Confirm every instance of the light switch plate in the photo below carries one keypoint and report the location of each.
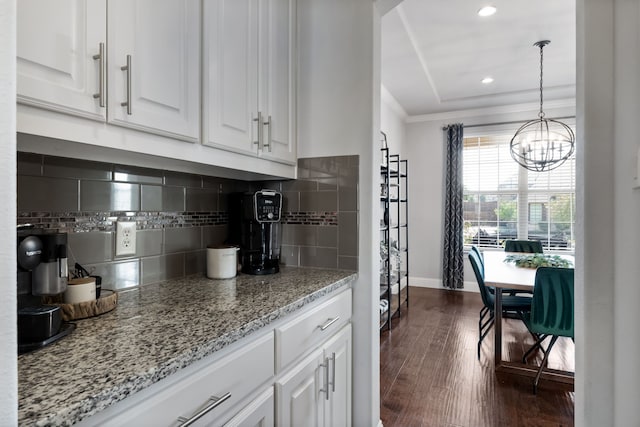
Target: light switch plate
(125, 238)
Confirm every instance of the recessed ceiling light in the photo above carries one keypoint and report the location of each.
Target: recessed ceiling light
(487, 11)
(487, 80)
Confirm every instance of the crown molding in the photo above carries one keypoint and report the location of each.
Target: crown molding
(393, 103)
(514, 108)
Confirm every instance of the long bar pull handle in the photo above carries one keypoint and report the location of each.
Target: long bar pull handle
(101, 89)
(329, 323)
(333, 372)
(325, 365)
(259, 120)
(214, 403)
(127, 68)
(268, 123)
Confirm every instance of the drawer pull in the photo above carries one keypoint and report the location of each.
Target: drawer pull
(329, 323)
(213, 403)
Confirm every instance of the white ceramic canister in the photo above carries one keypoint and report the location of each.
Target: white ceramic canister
(222, 262)
(80, 290)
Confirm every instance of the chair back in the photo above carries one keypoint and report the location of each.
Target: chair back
(552, 304)
(529, 246)
(478, 270)
(475, 249)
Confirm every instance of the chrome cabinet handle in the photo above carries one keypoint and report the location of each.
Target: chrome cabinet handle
(101, 64)
(268, 123)
(333, 372)
(215, 402)
(329, 323)
(259, 120)
(325, 365)
(127, 68)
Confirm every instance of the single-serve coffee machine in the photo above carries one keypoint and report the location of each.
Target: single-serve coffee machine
(42, 271)
(254, 221)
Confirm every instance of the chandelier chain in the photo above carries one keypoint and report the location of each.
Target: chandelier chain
(541, 114)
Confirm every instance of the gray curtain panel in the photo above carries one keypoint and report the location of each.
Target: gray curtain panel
(453, 255)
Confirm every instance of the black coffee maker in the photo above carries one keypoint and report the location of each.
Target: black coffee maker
(254, 226)
(42, 271)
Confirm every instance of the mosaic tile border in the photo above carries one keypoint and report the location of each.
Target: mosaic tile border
(105, 221)
(310, 218)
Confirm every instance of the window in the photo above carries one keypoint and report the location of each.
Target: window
(503, 200)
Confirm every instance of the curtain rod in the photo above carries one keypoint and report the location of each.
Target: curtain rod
(507, 123)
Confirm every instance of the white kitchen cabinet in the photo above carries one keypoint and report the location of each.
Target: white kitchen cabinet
(317, 390)
(258, 413)
(337, 409)
(154, 66)
(58, 62)
(65, 60)
(249, 77)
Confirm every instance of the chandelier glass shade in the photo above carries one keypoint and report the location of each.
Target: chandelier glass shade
(542, 144)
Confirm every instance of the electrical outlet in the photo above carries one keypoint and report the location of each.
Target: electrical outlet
(125, 238)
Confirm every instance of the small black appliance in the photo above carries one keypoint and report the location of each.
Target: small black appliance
(254, 226)
(41, 271)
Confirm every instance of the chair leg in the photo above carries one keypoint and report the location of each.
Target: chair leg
(538, 344)
(544, 361)
(484, 327)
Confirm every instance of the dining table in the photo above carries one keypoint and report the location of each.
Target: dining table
(504, 275)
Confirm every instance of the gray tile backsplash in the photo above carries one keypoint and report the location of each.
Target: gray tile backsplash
(324, 195)
(178, 215)
(90, 248)
(72, 168)
(151, 198)
(47, 194)
(109, 196)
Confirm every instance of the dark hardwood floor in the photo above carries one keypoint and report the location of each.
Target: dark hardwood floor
(430, 374)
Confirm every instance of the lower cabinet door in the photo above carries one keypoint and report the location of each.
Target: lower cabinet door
(337, 352)
(300, 394)
(259, 413)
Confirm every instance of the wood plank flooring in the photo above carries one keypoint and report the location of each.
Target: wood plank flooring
(430, 374)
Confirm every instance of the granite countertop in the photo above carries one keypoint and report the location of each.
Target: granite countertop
(155, 331)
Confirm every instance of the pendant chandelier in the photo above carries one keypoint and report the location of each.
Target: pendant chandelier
(542, 144)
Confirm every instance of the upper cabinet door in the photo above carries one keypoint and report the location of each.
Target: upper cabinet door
(57, 42)
(277, 78)
(230, 73)
(154, 63)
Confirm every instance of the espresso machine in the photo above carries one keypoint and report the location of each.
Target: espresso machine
(42, 271)
(254, 226)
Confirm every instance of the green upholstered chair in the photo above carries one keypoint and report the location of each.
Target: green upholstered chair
(513, 304)
(551, 310)
(529, 246)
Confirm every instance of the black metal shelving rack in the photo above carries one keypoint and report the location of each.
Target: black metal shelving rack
(394, 280)
(385, 242)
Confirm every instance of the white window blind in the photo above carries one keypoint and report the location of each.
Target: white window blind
(502, 200)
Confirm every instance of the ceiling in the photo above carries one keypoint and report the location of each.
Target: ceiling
(436, 52)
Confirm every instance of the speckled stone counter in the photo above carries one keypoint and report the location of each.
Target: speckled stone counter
(155, 331)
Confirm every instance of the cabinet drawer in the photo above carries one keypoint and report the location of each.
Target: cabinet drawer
(238, 373)
(311, 328)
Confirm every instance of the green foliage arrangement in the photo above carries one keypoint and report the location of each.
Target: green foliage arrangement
(538, 260)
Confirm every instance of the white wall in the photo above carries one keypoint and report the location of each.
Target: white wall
(425, 147)
(627, 213)
(338, 114)
(392, 118)
(8, 333)
(607, 371)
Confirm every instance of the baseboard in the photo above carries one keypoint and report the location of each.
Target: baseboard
(424, 282)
